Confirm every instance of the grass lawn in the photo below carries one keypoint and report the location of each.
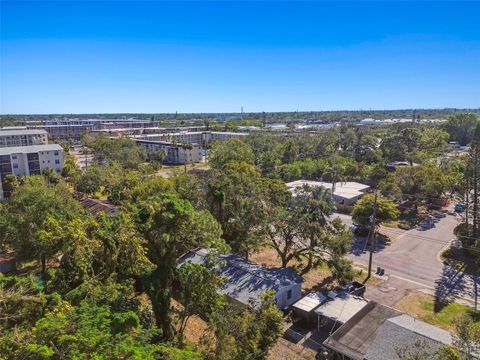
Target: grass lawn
(316, 279)
(421, 306)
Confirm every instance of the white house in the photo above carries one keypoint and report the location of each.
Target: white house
(345, 193)
(246, 281)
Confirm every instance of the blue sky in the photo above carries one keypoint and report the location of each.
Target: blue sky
(119, 56)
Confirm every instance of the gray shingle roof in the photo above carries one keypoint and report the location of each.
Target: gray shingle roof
(376, 333)
(403, 332)
(245, 280)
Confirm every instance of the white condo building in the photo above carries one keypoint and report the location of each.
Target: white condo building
(22, 137)
(174, 153)
(29, 160)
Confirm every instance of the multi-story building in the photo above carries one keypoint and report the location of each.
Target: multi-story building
(29, 160)
(191, 137)
(72, 129)
(174, 153)
(22, 137)
(222, 135)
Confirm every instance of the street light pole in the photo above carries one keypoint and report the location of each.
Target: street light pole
(371, 234)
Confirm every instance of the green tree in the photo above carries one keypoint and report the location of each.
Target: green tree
(88, 331)
(172, 226)
(461, 127)
(30, 213)
(157, 157)
(51, 176)
(247, 334)
(198, 285)
(234, 150)
(386, 210)
(91, 181)
(124, 251)
(122, 150)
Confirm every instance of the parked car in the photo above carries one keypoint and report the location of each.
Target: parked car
(359, 230)
(425, 225)
(459, 207)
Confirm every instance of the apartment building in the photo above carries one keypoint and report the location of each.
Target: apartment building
(222, 135)
(72, 129)
(174, 153)
(192, 137)
(22, 137)
(29, 160)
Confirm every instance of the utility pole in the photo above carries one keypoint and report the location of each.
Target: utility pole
(371, 234)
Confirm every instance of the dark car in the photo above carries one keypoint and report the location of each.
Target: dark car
(359, 230)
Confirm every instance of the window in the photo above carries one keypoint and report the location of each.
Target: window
(289, 294)
(56, 153)
(15, 166)
(14, 157)
(57, 161)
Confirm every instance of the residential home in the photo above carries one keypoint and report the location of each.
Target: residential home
(246, 282)
(378, 332)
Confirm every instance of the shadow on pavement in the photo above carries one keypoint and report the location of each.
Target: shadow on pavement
(361, 246)
(451, 283)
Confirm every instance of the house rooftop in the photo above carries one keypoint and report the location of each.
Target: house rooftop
(404, 331)
(96, 206)
(355, 336)
(29, 149)
(342, 308)
(376, 331)
(346, 190)
(245, 280)
(310, 302)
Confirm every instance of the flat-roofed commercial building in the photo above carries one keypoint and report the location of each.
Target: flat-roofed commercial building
(174, 153)
(29, 160)
(22, 137)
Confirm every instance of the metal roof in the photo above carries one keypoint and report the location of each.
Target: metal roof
(342, 308)
(8, 132)
(245, 280)
(310, 302)
(29, 149)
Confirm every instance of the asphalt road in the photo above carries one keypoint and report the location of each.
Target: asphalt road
(413, 256)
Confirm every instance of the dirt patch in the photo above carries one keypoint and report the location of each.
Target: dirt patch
(316, 279)
(266, 257)
(286, 350)
(197, 334)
